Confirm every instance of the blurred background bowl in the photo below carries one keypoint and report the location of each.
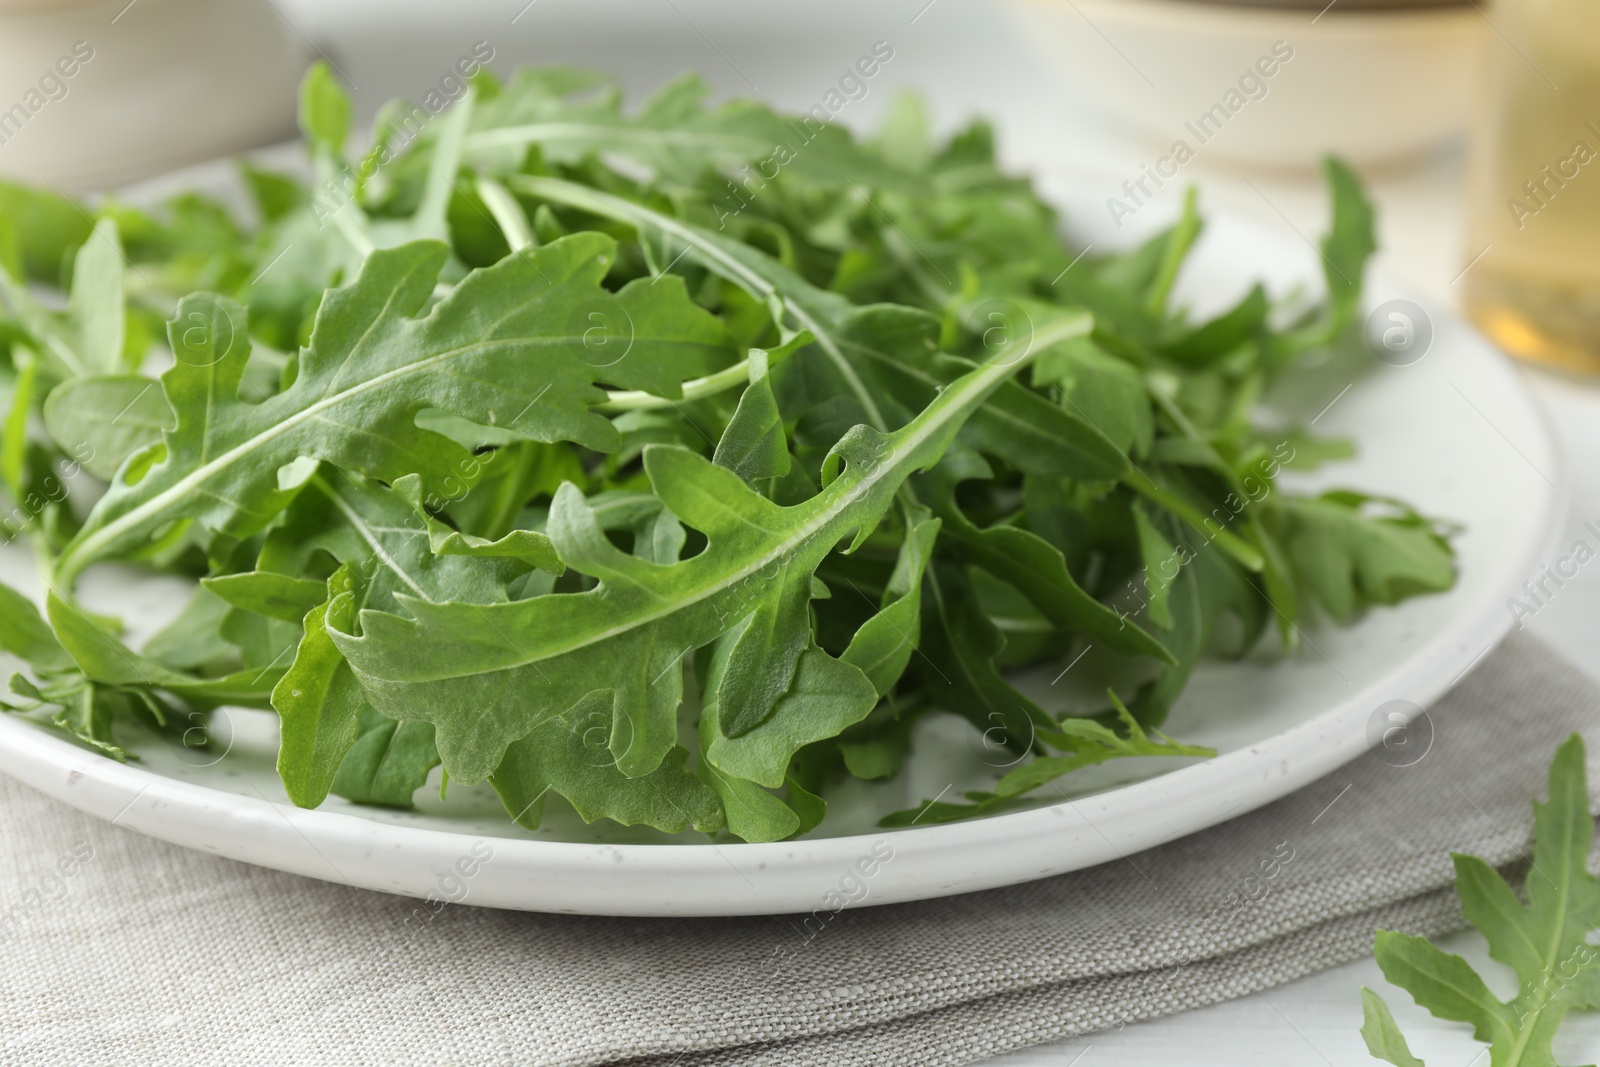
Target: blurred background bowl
(166, 82)
(1376, 84)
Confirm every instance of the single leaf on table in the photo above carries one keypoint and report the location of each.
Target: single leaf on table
(1547, 941)
(506, 348)
(487, 675)
(1382, 1034)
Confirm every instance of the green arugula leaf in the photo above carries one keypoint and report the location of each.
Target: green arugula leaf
(1382, 1034)
(1346, 559)
(1546, 940)
(45, 226)
(388, 762)
(107, 418)
(674, 135)
(324, 108)
(1088, 743)
(86, 338)
(753, 446)
(385, 549)
(372, 366)
(568, 755)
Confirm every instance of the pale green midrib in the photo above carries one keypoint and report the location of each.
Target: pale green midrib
(510, 136)
(1530, 1022)
(988, 376)
(694, 389)
(365, 531)
(67, 566)
(613, 206)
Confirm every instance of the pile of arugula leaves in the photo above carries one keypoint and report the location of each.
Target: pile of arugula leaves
(673, 463)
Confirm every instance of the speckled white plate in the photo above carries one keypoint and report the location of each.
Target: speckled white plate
(1456, 433)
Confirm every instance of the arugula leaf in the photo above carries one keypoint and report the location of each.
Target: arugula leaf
(44, 224)
(1546, 940)
(388, 762)
(1382, 1034)
(674, 135)
(558, 757)
(324, 108)
(1346, 560)
(372, 366)
(106, 418)
(1088, 743)
(86, 338)
(753, 445)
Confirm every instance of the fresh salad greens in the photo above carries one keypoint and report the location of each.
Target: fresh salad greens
(672, 463)
(1549, 941)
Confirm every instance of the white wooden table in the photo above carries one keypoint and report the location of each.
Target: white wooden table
(962, 55)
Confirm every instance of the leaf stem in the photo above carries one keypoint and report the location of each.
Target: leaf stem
(508, 214)
(693, 389)
(1241, 550)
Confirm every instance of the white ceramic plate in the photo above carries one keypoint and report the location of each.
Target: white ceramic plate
(1456, 433)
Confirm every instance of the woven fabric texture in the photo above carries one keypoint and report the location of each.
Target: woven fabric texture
(148, 953)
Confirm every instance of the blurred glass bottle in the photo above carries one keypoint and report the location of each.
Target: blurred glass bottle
(1535, 186)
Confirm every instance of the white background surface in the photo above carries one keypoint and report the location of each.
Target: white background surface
(962, 55)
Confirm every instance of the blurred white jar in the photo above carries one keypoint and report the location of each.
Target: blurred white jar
(1374, 85)
(95, 94)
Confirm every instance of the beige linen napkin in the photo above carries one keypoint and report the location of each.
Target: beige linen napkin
(147, 953)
